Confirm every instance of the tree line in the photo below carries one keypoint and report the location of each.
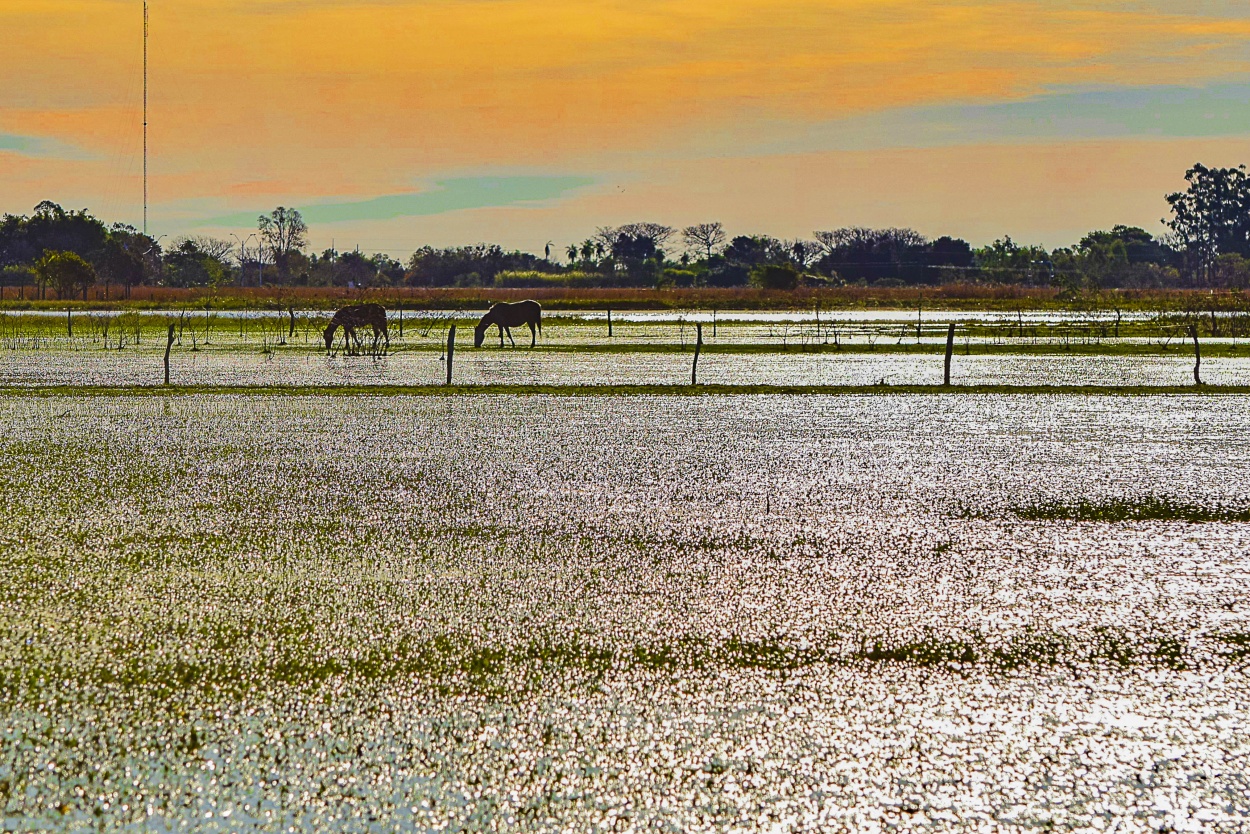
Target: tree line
(1207, 245)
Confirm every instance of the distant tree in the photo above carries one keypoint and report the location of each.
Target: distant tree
(130, 257)
(66, 272)
(950, 251)
(572, 251)
(857, 253)
(355, 270)
(283, 231)
(1231, 271)
(52, 229)
(775, 277)
(753, 250)
(189, 264)
(658, 233)
(1139, 245)
(387, 270)
(121, 264)
(804, 252)
(1005, 261)
(705, 238)
(637, 248)
(634, 248)
(471, 266)
(646, 235)
(1212, 217)
(216, 248)
(13, 250)
(734, 265)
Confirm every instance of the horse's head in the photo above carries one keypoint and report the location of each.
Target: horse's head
(479, 333)
(329, 336)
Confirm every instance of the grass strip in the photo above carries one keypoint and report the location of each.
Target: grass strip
(1145, 509)
(616, 390)
(455, 664)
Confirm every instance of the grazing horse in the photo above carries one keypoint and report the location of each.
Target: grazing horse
(507, 316)
(359, 315)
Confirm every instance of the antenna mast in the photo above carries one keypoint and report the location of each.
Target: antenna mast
(145, 117)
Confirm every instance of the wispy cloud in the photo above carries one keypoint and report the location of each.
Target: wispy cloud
(1222, 110)
(38, 146)
(445, 196)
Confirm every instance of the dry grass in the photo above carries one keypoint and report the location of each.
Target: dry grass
(962, 296)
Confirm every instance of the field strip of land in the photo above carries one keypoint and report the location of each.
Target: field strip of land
(621, 390)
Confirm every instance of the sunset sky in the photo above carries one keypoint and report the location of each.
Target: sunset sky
(396, 123)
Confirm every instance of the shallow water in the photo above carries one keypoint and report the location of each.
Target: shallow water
(668, 316)
(143, 366)
(534, 613)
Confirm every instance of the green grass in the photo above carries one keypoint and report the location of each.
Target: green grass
(1237, 644)
(1117, 509)
(452, 664)
(616, 390)
(1047, 348)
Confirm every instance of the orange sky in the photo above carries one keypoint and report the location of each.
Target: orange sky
(313, 101)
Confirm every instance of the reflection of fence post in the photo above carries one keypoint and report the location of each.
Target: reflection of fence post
(169, 343)
(1193, 331)
(451, 350)
(609, 322)
(950, 349)
(698, 346)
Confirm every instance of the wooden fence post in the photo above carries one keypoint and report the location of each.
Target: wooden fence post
(401, 320)
(698, 346)
(451, 350)
(609, 322)
(1193, 331)
(291, 310)
(950, 349)
(69, 321)
(169, 343)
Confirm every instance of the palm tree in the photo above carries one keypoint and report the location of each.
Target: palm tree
(572, 253)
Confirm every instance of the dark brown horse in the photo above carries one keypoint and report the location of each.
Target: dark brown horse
(507, 316)
(359, 315)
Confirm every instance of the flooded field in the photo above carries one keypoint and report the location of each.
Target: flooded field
(253, 348)
(523, 367)
(262, 613)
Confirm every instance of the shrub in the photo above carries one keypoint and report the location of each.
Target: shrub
(775, 277)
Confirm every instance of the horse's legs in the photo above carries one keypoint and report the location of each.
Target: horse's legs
(501, 335)
(533, 334)
(510, 339)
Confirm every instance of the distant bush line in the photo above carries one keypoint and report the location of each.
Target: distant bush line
(63, 255)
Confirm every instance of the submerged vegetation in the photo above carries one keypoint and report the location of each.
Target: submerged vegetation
(326, 612)
(1151, 508)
